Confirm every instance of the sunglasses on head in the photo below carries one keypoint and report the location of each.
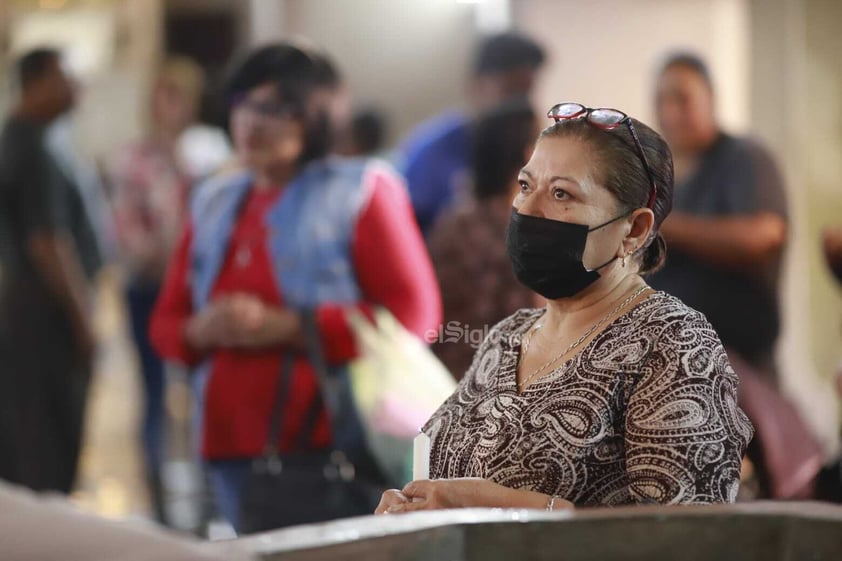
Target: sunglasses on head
(605, 119)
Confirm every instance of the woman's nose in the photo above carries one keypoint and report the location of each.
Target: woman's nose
(531, 205)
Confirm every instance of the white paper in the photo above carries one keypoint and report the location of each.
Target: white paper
(421, 457)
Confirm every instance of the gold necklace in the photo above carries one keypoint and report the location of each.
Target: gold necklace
(576, 343)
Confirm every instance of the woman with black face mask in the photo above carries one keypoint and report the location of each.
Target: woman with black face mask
(612, 393)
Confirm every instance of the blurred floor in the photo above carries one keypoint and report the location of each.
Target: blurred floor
(112, 481)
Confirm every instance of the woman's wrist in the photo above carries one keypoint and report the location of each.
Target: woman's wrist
(535, 501)
(191, 334)
(506, 497)
(283, 326)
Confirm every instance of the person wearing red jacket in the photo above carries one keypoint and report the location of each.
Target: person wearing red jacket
(296, 230)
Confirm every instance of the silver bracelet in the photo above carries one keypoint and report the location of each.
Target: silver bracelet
(551, 502)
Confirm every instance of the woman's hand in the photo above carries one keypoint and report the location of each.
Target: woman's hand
(433, 495)
(461, 493)
(241, 321)
(448, 493)
(389, 500)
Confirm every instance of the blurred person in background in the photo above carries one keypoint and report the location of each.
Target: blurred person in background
(726, 238)
(467, 245)
(294, 232)
(728, 230)
(49, 256)
(436, 157)
(364, 135)
(353, 133)
(150, 183)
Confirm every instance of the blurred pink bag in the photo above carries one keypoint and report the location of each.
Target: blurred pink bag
(791, 454)
(398, 384)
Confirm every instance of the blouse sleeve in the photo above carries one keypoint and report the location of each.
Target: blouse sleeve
(685, 436)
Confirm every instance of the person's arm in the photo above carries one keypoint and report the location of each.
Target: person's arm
(55, 257)
(393, 269)
(463, 493)
(754, 232)
(49, 245)
(174, 308)
(684, 434)
(740, 242)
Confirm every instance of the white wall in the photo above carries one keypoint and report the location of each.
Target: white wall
(112, 49)
(410, 57)
(606, 52)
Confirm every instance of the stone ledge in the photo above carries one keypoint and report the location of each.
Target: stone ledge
(748, 531)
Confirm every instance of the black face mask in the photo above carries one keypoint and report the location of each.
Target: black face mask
(547, 254)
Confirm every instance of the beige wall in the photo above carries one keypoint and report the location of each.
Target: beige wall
(407, 56)
(113, 67)
(822, 157)
(765, 55)
(605, 52)
(795, 70)
(410, 56)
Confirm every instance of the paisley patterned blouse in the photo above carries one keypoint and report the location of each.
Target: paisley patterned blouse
(644, 413)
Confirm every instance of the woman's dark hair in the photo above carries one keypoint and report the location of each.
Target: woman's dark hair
(368, 129)
(35, 64)
(688, 60)
(297, 76)
(621, 171)
(326, 73)
(500, 139)
(505, 52)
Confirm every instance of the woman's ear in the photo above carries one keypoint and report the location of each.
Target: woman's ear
(642, 223)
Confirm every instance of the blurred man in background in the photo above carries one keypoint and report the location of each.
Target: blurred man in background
(437, 154)
(364, 134)
(728, 227)
(49, 255)
(725, 236)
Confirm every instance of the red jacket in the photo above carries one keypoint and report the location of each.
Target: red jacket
(393, 270)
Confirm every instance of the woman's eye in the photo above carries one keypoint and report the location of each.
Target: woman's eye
(524, 186)
(560, 194)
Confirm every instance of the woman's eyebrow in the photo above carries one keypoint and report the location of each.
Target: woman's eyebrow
(567, 178)
(564, 178)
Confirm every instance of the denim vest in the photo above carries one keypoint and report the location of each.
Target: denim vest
(310, 232)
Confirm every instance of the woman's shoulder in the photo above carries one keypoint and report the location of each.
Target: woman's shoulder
(664, 308)
(668, 322)
(677, 330)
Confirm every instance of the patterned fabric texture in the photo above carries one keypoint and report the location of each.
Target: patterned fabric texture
(646, 412)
